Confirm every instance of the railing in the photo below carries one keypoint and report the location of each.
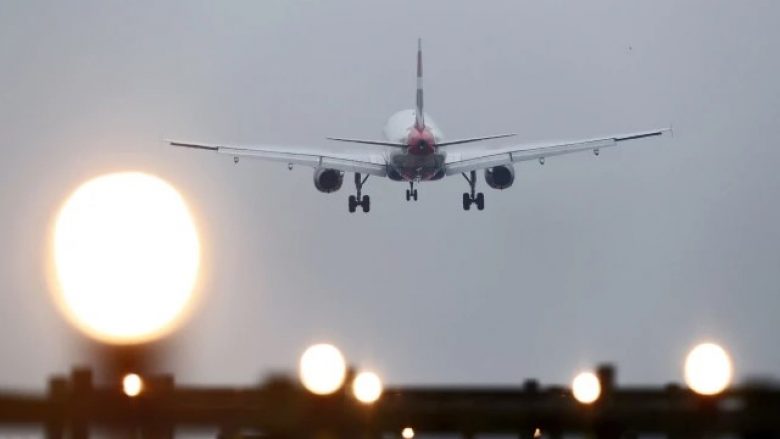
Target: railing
(281, 408)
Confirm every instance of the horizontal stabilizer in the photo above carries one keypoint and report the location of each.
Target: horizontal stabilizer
(474, 139)
(366, 142)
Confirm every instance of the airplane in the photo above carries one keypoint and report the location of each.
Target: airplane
(414, 150)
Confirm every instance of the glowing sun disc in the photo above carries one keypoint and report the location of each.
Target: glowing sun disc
(126, 257)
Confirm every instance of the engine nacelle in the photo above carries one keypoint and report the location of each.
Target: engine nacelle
(500, 177)
(328, 180)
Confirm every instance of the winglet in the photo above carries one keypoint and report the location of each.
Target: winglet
(419, 121)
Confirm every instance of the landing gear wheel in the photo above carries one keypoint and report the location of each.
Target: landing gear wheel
(472, 196)
(411, 193)
(359, 200)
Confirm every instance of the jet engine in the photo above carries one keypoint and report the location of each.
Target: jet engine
(328, 180)
(500, 177)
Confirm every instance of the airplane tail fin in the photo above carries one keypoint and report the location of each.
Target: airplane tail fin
(419, 121)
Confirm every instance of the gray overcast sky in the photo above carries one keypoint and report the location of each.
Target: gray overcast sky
(632, 257)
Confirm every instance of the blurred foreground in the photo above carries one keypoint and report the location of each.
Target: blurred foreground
(154, 407)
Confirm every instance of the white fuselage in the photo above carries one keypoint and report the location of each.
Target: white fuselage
(400, 124)
(420, 159)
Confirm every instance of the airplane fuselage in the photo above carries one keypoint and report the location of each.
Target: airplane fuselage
(421, 159)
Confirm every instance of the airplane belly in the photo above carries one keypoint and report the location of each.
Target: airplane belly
(418, 167)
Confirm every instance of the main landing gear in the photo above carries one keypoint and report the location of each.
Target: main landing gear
(411, 193)
(470, 198)
(357, 200)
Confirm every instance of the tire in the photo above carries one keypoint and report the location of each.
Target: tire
(352, 204)
(466, 201)
(480, 201)
(408, 195)
(366, 203)
(414, 195)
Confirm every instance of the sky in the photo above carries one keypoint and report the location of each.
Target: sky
(630, 258)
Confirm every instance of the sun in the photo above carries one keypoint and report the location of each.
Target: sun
(126, 255)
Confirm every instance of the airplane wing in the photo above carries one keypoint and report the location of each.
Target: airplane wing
(488, 158)
(362, 163)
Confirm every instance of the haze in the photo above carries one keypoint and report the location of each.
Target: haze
(631, 257)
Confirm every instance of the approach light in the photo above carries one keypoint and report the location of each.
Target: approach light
(322, 369)
(367, 387)
(708, 369)
(132, 385)
(586, 387)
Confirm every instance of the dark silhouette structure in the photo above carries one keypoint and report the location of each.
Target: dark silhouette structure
(279, 408)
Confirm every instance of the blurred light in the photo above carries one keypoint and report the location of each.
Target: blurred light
(586, 387)
(322, 369)
(407, 433)
(537, 433)
(367, 387)
(126, 256)
(132, 385)
(708, 369)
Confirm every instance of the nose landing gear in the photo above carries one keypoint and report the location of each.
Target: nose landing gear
(411, 193)
(471, 197)
(358, 200)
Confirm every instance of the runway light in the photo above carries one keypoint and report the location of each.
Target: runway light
(708, 369)
(126, 256)
(407, 433)
(132, 385)
(367, 387)
(586, 387)
(322, 369)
